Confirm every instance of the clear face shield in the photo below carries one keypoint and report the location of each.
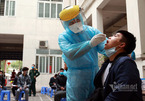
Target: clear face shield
(76, 24)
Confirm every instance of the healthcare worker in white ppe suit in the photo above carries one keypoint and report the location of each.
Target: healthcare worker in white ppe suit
(79, 44)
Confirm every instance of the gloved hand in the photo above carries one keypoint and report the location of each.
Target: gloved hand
(97, 39)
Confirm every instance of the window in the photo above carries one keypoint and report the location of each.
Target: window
(7, 7)
(49, 8)
(2, 6)
(57, 0)
(10, 8)
(49, 62)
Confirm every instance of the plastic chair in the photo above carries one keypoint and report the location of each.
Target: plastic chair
(48, 91)
(52, 93)
(20, 96)
(44, 90)
(3, 92)
(63, 99)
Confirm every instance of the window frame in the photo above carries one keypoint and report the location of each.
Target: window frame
(50, 3)
(9, 9)
(3, 8)
(56, 60)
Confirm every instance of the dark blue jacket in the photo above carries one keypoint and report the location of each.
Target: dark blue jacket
(123, 82)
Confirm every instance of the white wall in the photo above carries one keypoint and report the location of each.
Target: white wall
(43, 80)
(136, 23)
(140, 63)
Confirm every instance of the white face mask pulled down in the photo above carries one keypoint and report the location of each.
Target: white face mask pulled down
(77, 27)
(111, 51)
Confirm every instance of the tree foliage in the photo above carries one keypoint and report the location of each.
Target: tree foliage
(16, 64)
(2, 65)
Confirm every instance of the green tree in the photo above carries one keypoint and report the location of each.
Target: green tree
(2, 65)
(101, 59)
(16, 64)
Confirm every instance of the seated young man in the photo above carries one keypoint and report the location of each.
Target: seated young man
(52, 82)
(119, 76)
(14, 85)
(2, 81)
(61, 86)
(24, 83)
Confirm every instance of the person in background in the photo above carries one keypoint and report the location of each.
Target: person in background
(15, 83)
(13, 75)
(4, 75)
(61, 80)
(2, 81)
(61, 86)
(33, 74)
(118, 77)
(24, 82)
(133, 55)
(52, 82)
(65, 70)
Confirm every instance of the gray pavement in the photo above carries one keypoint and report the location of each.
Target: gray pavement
(41, 97)
(38, 97)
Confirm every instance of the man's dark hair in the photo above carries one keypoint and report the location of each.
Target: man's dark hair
(129, 39)
(25, 69)
(1, 71)
(61, 69)
(19, 73)
(55, 75)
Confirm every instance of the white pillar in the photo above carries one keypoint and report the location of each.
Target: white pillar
(136, 23)
(5, 67)
(97, 19)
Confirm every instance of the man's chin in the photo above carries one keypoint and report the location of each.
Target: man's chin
(106, 47)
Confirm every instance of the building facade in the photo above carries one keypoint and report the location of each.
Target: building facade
(29, 30)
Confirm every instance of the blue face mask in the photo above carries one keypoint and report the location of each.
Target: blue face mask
(61, 73)
(111, 51)
(32, 67)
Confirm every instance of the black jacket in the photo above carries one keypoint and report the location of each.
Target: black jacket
(15, 81)
(123, 82)
(2, 81)
(52, 80)
(61, 81)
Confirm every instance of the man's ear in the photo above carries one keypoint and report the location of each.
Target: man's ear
(122, 45)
